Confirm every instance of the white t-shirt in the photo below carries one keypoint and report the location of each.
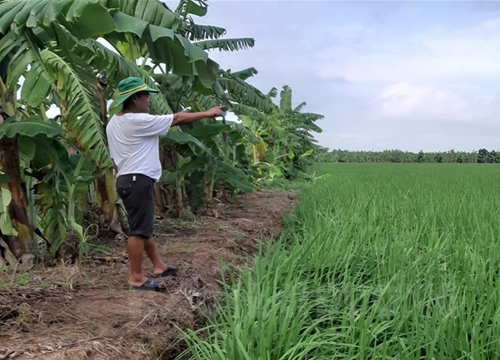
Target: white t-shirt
(133, 140)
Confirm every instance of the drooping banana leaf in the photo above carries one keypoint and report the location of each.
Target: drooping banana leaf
(154, 12)
(226, 44)
(232, 175)
(207, 130)
(198, 163)
(30, 127)
(244, 132)
(245, 73)
(201, 32)
(249, 111)
(78, 106)
(179, 137)
(195, 7)
(245, 94)
(86, 18)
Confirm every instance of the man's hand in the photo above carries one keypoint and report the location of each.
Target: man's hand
(184, 118)
(215, 111)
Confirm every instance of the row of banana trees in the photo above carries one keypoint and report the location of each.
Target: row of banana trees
(69, 55)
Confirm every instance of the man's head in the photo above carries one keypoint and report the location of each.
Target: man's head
(138, 102)
(134, 94)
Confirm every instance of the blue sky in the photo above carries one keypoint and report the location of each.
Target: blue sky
(386, 75)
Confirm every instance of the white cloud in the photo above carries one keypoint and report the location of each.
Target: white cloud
(423, 103)
(345, 136)
(439, 53)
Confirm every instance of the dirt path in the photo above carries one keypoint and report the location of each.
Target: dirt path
(87, 312)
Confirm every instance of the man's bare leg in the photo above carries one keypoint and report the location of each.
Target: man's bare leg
(135, 247)
(158, 265)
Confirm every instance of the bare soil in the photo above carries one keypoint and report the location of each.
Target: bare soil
(86, 310)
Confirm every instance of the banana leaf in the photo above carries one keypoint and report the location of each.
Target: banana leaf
(179, 137)
(234, 176)
(208, 130)
(30, 127)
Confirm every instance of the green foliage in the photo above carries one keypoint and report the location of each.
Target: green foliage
(52, 55)
(226, 44)
(205, 131)
(298, 139)
(378, 261)
(4, 177)
(198, 32)
(79, 113)
(6, 227)
(87, 18)
(60, 178)
(397, 156)
(195, 7)
(232, 175)
(30, 128)
(178, 137)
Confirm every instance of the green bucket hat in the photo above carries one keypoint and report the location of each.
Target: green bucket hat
(131, 85)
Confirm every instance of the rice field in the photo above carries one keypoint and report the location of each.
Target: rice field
(379, 261)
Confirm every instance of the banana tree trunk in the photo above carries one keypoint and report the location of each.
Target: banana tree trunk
(171, 193)
(180, 198)
(105, 193)
(24, 242)
(162, 196)
(209, 190)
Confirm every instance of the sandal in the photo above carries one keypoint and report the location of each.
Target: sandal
(150, 285)
(171, 270)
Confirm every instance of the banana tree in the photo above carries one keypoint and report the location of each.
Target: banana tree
(51, 54)
(227, 89)
(42, 73)
(19, 234)
(285, 143)
(300, 143)
(201, 162)
(181, 90)
(45, 47)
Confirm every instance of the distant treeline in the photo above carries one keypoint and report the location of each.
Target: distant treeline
(397, 156)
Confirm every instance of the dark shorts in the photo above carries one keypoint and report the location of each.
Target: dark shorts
(137, 193)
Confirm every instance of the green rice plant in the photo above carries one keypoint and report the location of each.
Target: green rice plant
(263, 315)
(378, 261)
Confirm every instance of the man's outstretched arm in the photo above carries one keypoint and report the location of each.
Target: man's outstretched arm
(183, 118)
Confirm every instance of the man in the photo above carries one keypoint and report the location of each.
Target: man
(133, 137)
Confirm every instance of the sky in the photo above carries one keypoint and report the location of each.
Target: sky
(407, 75)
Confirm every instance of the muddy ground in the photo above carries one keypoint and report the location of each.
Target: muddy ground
(86, 310)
